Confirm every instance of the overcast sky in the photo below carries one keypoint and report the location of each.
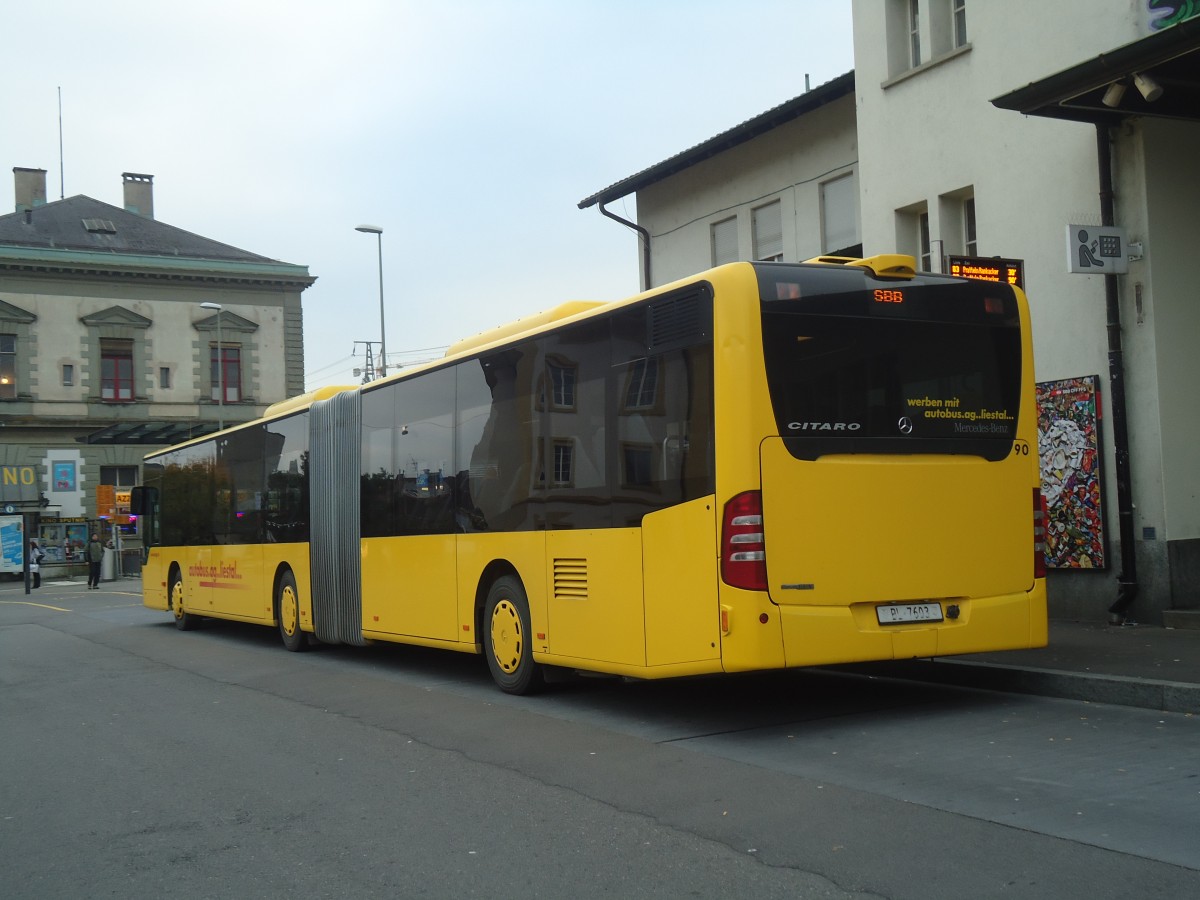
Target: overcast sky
(468, 131)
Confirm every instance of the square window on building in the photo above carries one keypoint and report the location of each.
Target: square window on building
(8, 366)
(839, 214)
(767, 225)
(724, 241)
(68, 373)
(119, 476)
(116, 370)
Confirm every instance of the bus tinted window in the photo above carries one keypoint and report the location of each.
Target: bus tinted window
(287, 479)
(942, 376)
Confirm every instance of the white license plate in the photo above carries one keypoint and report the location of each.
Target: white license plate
(895, 613)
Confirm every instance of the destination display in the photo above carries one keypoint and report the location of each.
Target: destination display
(989, 268)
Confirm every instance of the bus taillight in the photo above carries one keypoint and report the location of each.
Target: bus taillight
(1039, 535)
(743, 551)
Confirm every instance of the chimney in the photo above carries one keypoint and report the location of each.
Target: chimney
(30, 187)
(139, 194)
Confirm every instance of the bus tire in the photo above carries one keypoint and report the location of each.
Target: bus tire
(508, 644)
(184, 620)
(287, 614)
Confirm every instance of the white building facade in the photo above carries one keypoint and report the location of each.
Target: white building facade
(980, 129)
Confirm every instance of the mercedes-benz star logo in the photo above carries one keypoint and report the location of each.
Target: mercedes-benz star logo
(905, 425)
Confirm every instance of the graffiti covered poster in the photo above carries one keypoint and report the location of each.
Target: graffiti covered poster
(1069, 444)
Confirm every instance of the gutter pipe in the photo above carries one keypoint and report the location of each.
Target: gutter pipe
(1127, 583)
(645, 235)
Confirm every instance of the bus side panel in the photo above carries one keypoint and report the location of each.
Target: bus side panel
(293, 557)
(409, 586)
(594, 590)
(524, 551)
(235, 583)
(679, 555)
(154, 580)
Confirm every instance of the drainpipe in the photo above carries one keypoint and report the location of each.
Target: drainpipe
(1127, 584)
(645, 244)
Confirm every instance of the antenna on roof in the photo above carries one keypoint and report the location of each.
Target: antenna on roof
(62, 189)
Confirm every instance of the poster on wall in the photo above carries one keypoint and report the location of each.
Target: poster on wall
(63, 475)
(1072, 486)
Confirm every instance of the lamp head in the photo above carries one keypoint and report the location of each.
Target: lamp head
(208, 304)
(1147, 86)
(369, 229)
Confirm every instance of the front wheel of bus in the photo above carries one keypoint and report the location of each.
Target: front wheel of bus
(184, 621)
(287, 614)
(510, 648)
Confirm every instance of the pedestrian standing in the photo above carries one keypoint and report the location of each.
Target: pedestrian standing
(95, 553)
(36, 555)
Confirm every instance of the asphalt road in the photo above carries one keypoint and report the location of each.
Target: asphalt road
(138, 761)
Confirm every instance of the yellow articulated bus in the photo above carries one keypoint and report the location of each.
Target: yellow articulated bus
(765, 466)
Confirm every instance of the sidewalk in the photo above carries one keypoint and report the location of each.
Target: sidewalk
(1127, 665)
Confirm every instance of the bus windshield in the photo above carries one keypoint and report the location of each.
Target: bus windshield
(929, 366)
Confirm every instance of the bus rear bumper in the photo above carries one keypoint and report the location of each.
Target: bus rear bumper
(826, 635)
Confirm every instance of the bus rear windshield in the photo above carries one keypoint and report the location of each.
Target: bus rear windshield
(935, 368)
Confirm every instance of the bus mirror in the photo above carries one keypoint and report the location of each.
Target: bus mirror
(141, 499)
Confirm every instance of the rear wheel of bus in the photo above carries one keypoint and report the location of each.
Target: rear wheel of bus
(287, 614)
(184, 621)
(509, 647)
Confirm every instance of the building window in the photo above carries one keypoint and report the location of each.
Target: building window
(914, 33)
(642, 392)
(564, 457)
(8, 366)
(970, 239)
(638, 465)
(68, 373)
(226, 372)
(116, 370)
(119, 476)
(724, 242)
(164, 378)
(767, 222)
(839, 214)
(562, 381)
(959, 11)
(925, 244)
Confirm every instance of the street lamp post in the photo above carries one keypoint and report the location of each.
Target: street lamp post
(220, 366)
(378, 232)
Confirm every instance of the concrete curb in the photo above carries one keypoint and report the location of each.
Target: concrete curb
(1119, 690)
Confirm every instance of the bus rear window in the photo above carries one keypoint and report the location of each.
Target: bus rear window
(943, 381)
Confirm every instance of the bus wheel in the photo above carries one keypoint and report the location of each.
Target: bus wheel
(287, 614)
(184, 621)
(509, 648)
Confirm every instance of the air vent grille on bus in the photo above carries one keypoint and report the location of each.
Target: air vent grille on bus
(570, 579)
(679, 320)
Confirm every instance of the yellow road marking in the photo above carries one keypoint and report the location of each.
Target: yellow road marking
(29, 603)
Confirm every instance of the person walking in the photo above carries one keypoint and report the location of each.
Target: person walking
(95, 554)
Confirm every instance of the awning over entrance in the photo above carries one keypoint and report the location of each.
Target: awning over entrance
(161, 433)
(1168, 64)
